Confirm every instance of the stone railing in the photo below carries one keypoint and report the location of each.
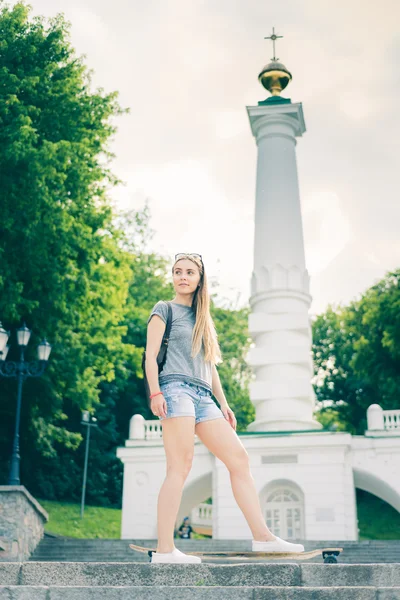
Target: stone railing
(152, 430)
(383, 422)
(140, 429)
(202, 514)
(391, 419)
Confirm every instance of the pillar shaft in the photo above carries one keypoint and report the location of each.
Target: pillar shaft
(279, 324)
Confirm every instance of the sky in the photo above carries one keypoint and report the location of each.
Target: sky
(187, 71)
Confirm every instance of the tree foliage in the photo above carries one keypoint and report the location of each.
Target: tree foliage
(234, 371)
(356, 352)
(75, 270)
(62, 270)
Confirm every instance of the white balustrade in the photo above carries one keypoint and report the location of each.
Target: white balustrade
(202, 514)
(140, 429)
(380, 420)
(391, 419)
(152, 430)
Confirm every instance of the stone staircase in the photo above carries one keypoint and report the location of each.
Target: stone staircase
(138, 581)
(63, 549)
(72, 569)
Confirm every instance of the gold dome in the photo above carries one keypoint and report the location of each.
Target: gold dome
(274, 77)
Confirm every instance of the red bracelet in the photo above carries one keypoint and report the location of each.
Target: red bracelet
(156, 394)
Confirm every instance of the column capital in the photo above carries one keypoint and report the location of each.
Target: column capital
(284, 114)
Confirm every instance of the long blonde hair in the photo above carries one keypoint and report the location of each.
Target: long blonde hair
(204, 329)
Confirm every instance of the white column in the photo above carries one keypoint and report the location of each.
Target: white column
(137, 428)
(279, 324)
(375, 419)
(228, 520)
(144, 473)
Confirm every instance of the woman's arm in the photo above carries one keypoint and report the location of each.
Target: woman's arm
(217, 390)
(220, 396)
(155, 332)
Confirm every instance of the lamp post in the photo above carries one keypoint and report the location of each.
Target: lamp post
(89, 422)
(21, 370)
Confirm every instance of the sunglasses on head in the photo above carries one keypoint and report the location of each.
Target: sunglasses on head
(184, 254)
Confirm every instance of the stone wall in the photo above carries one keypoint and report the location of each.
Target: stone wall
(22, 521)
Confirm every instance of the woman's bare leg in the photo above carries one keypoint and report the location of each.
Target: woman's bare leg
(219, 437)
(178, 438)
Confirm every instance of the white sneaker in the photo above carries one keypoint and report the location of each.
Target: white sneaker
(277, 545)
(176, 556)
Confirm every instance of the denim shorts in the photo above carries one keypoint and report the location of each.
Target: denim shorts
(186, 399)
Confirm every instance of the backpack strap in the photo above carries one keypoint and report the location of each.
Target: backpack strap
(165, 340)
(169, 322)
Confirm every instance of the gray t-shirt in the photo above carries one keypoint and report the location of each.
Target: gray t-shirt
(179, 365)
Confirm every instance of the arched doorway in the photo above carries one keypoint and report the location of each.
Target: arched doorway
(283, 508)
(378, 486)
(193, 504)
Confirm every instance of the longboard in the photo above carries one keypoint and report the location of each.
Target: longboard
(328, 554)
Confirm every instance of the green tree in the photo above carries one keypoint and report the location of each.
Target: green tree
(62, 269)
(149, 283)
(119, 398)
(356, 353)
(74, 270)
(234, 372)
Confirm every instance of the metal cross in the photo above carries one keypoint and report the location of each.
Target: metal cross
(273, 37)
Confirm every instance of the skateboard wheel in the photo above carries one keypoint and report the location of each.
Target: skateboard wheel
(330, 559)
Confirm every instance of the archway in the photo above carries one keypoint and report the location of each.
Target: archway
(369, 482)
(194, 494)
(282, 502)
(376, 519)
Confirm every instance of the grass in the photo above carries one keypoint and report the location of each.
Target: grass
(376, 520)
(97, 522)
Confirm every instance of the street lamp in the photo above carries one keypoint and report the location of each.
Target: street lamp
(89, 422)
(21, 370)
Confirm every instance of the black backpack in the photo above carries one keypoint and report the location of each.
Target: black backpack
(162, 354)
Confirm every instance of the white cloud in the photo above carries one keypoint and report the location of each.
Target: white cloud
(88, 24)
(356, 105)
(230, 123)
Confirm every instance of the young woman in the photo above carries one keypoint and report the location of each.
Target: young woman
(181, 396)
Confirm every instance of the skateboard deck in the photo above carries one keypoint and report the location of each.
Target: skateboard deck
(328, 554)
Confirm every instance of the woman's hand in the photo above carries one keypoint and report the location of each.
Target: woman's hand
(158, 406)
(229, 415)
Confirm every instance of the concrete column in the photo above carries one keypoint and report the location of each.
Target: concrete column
(137, 428)
(144, 472)
(228, 519)
(279, 324)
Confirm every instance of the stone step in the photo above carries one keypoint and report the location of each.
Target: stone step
(196, 593)
(115, 544)
(131, 556)
(242, 544)
(103, 550)
(124, 550)
(209, 575)
(144, 559)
